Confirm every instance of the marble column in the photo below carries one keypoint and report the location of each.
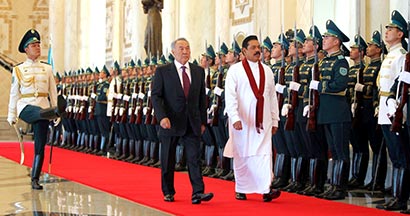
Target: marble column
(71, 30)
(197, 24)
(56, 18)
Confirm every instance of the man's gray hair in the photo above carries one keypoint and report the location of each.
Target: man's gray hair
(178, 39)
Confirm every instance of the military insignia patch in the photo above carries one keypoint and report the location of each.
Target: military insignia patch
(105, 90)
(340, 57)
(343, 71)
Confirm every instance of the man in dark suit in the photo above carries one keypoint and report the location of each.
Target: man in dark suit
(178, 97)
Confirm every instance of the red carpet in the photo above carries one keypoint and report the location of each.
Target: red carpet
(142, 185)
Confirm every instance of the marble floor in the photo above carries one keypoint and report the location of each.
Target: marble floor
(63, 197)
(59, 197)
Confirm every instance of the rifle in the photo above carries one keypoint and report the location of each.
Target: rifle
(148, 116)
(114, 102)
(126, 102)
(313, 94)
(281, 75)
(134, 103)
(358, 96)
(217, 93)
(93, 99)
(83, 106)
(290, 121)
(140, 106)
(398, 116)
(120, 103)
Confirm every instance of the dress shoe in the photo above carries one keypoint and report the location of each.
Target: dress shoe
(328, 191)
(169, 198)
(273, 194)
(393, 205)
(35, 185)
(197, 198)
(179, 167)
(240, 196)
(405, 211)
(337, 194)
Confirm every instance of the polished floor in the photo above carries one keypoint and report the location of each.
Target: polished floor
(59, 197)
(63, 197)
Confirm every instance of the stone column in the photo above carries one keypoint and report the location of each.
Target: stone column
(71, 30)
(197, 24)
(56, 27)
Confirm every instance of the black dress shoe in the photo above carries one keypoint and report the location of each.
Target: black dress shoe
(240, 196)
(394, 204)
(405, 211)
(197, 198)
(35, 185)
(169, 198)
(273, 194)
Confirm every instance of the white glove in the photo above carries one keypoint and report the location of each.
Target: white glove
(353, 108)
(11, 121)
(306, 111)
(404, 77)
(314, 84)
(56, 122)
(294, 86)
(376, 111)
(279, 88)
(391, 107)
(358, 87)
(285, 109)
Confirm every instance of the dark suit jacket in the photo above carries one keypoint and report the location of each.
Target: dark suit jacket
(169, 100)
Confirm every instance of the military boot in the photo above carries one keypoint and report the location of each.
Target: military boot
(146, 148)
(138, 151)
(131, 146)
(35, 172)
(400, 191)
(340, 181)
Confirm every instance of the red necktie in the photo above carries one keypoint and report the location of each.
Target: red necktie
(185, 81)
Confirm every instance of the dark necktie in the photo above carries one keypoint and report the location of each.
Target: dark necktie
(185, 81)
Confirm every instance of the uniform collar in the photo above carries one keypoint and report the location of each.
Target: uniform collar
(31, 61)
(394, 47)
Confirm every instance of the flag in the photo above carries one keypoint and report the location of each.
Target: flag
(50, 59)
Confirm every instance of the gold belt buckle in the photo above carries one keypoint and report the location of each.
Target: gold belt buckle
(36, 94)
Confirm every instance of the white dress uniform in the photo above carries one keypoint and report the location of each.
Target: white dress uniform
(32, 84)
(390, 69)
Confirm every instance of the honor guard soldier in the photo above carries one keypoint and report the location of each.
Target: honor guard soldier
(122, 150)
(373, 133)
(218, 122)
(113, 105)
(332, 88)
(148, 112)
(294, 141)
(358, 141)
(397, 142)
(208, 138)
(282, 159)
(267, 49)
(128, 110)
(232, 57)
(134, 118)
(100, 111)
(141, 116)
(93, 123)
(32, 91)
(314, 137)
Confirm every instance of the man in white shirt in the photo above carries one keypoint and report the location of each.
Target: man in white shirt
(253, 113)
